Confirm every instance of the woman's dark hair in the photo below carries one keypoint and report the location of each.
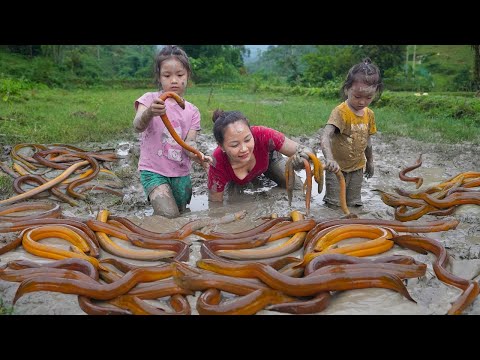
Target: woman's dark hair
(171, 51)
(364, 72)
(222, 119)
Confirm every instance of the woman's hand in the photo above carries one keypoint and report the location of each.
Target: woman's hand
(300, 154)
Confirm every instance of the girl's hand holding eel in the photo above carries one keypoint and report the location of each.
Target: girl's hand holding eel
(171, 130)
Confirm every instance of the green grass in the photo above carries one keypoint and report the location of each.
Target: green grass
(5, 310)
(426, 128)
(283, 113)
(444, 62)
(76, 116)
(447, 56)
(6, 184)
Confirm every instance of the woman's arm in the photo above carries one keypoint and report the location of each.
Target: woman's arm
(289, 147)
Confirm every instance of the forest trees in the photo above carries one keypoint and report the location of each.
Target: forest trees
(314, 65)
(321, 66)
(476, 66)
(67, 65)
(216, 63)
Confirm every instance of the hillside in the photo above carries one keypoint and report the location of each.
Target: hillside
(447, 64)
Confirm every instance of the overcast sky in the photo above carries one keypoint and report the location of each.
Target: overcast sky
(255, 47)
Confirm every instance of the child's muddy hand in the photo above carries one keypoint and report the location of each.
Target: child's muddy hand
(205, 161)
(369, 170)
(158, 107)
(332, 166)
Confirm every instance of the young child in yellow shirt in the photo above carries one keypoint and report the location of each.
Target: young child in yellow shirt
(346, 139)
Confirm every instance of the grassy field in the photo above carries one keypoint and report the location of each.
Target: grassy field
(448, 56)
(444, 62)
(54, 115)
(5, 310)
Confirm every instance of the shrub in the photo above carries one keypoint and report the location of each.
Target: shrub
(15, 89)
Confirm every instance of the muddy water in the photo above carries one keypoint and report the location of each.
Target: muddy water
(390, 154)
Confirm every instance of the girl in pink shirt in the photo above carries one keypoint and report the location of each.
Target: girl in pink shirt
(245, 152)
(164, 165)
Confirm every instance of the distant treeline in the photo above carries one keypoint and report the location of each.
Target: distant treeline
(315, 66)
(76, 65)
(404, 67)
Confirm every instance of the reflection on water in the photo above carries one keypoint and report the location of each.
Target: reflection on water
(263, 196)
(431, 176)
(199, 202)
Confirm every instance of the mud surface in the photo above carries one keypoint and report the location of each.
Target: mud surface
(440, 162)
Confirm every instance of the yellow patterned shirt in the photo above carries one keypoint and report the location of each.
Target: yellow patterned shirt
(348, 145)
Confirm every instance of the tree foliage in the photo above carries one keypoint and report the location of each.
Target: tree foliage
(384, 56)
(66, 65)
(315, 65)
(476, 66)
(216, 63)
(284, 61)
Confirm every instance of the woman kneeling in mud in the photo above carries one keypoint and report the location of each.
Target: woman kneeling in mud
(245, 152)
